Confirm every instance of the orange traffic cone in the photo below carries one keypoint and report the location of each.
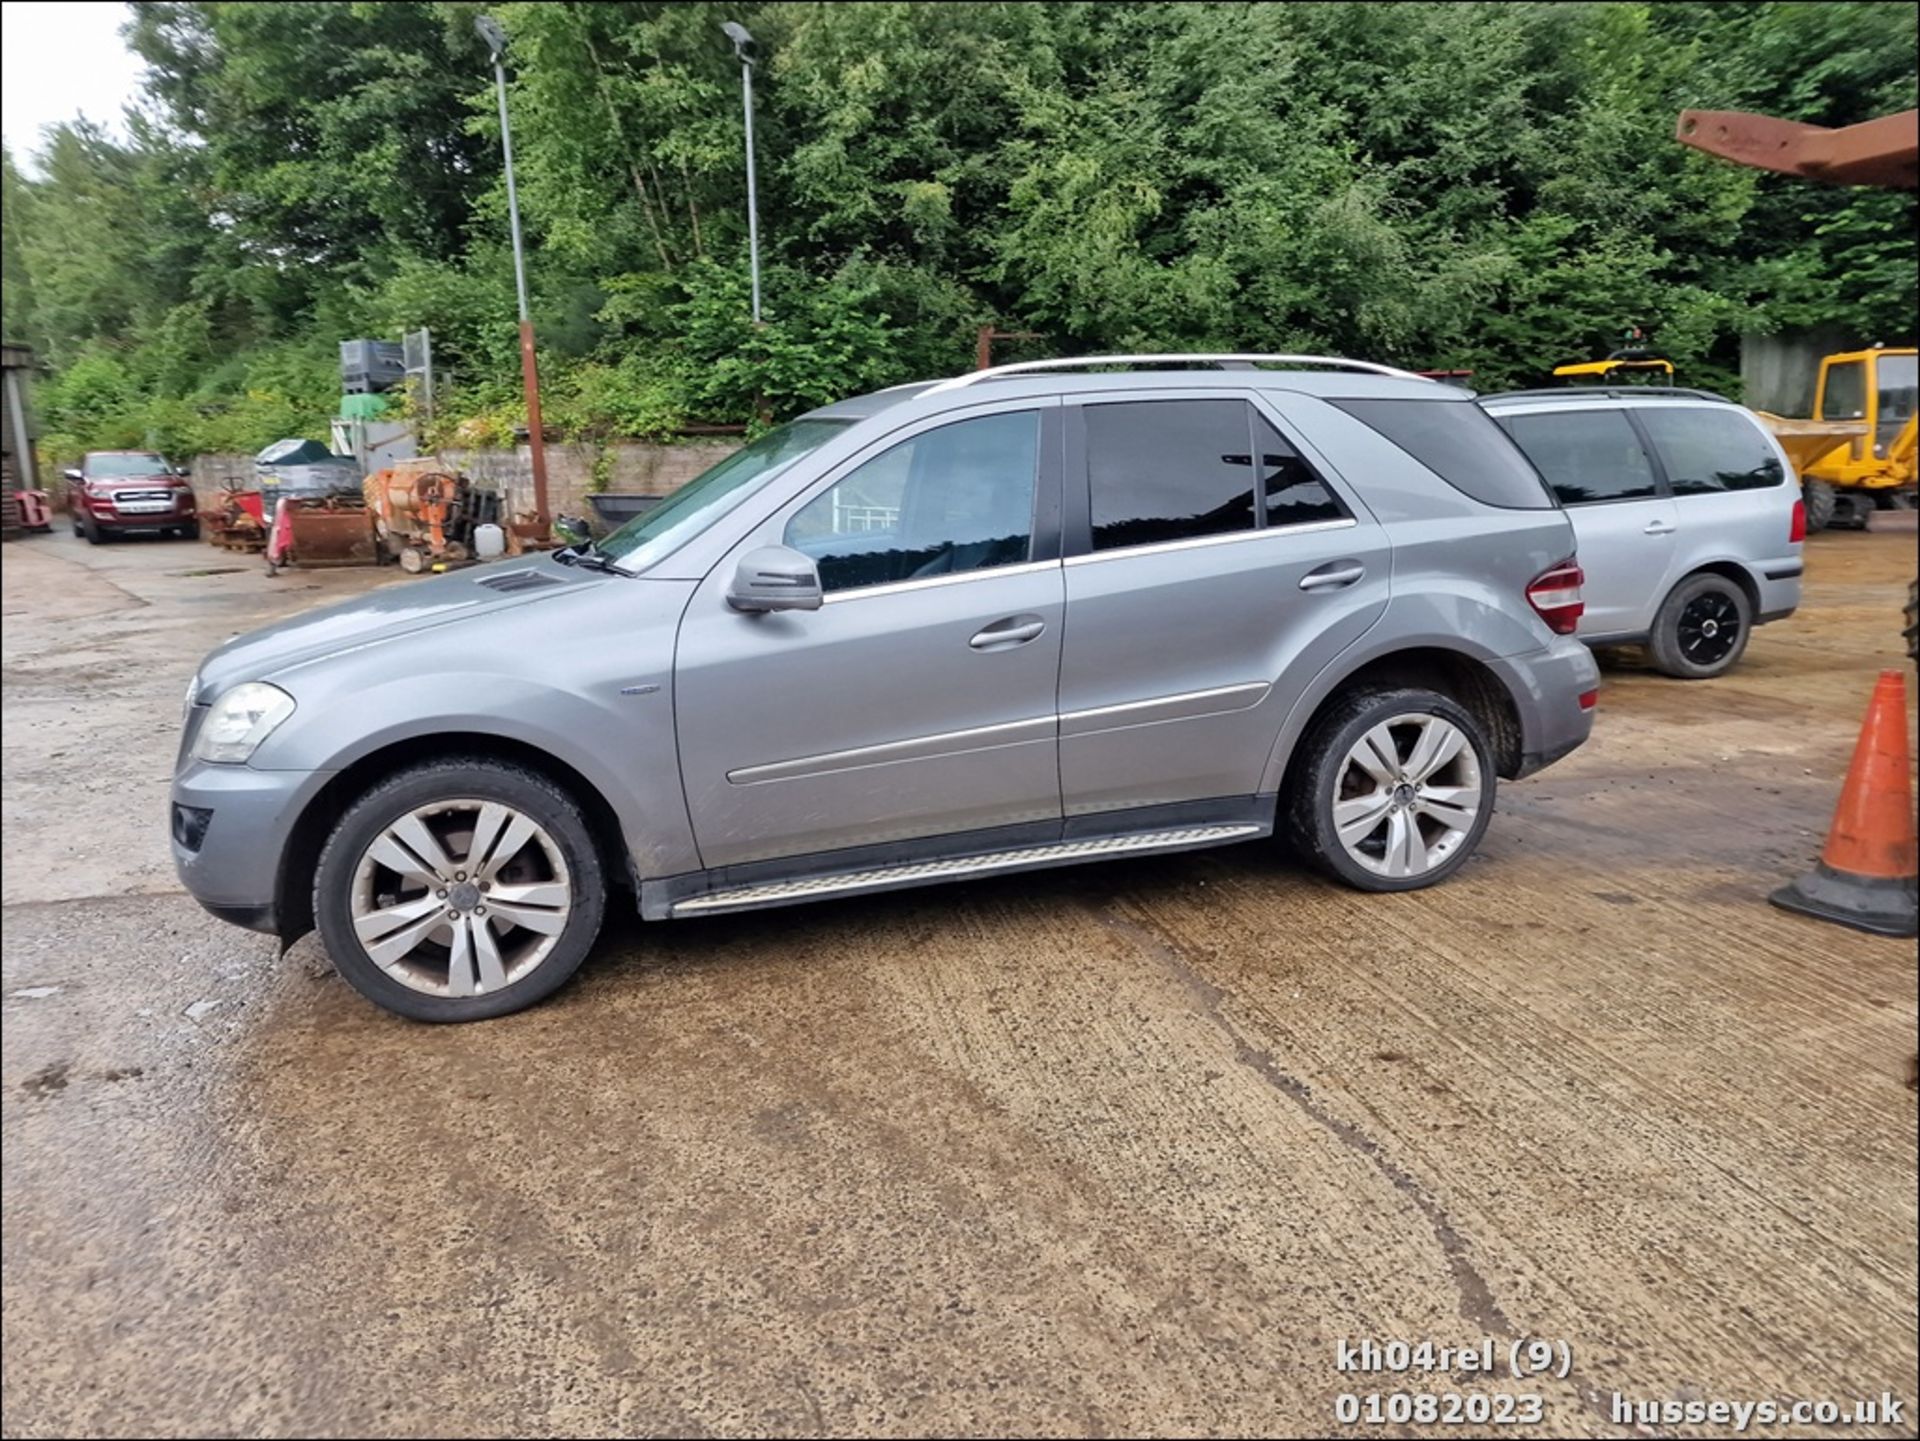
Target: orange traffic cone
(1865, 878)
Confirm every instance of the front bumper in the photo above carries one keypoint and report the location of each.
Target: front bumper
(1546, 685)
(235, 869)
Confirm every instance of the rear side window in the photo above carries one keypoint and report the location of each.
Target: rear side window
(1585, 455)
(1457, 442)
(1708, 451)
(1294, 494)
(1165, 470)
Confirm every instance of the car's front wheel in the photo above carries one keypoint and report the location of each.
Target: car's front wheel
(1393, 791)
(458, 890)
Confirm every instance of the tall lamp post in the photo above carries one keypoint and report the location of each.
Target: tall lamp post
(496, 39)
(743, 47)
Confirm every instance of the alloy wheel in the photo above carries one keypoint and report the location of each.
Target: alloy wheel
(1709, 628)
(1407, 795)
(461, 897)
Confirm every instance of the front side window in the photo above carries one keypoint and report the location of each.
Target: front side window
(951, 500)
(1710, 451)
(1585, 455)
(1163, 470)
(1845, 395)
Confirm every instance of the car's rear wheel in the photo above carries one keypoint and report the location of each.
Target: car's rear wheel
(1393, 790)
(1702, 628)
(459, 890)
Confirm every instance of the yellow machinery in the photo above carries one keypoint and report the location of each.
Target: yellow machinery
(1634, 363)
(1616, 371)
(1858, 449)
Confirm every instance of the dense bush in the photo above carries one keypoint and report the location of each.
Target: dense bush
(1479, 185)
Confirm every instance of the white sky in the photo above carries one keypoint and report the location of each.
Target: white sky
(60, 59)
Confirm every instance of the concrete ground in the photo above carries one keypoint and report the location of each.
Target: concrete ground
(1123, 1149)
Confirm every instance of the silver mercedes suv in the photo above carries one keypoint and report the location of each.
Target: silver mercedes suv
(1026, 617)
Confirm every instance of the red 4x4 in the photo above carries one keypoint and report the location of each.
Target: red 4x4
(124, 490)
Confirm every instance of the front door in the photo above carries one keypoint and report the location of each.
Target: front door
(919, 699)
(1202, 595)
(1623, 524)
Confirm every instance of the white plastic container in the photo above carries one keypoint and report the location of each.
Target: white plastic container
(489, 542)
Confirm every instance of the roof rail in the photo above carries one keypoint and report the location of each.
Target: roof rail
(1224, 361)
(1608, 392)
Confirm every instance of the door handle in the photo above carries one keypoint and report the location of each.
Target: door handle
(1657, 527)
(1334, 575)
(1004, 634)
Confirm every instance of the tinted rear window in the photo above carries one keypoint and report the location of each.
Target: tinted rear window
(1707, 451)
(1586, 455)
(1164, 470)
(1457, 441)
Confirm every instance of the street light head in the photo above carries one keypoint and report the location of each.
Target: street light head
(491, 32)
(742, 41)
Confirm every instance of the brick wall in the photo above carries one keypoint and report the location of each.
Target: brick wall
(631, 466)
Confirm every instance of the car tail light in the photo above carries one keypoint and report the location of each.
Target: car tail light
(1555, 594)
(1589, 699)
(1797, 527)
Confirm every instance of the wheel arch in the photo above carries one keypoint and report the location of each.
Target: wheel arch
(293, 889)
(1461, 675)
(1726, 568)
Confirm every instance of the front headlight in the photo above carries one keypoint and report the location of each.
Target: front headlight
(242, 718)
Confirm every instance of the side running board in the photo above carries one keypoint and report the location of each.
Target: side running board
(920, 873)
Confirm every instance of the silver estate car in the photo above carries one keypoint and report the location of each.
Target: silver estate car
(1687, 513)
(1026, 617)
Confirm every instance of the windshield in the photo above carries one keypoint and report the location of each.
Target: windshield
(711, 494)
(107, 467)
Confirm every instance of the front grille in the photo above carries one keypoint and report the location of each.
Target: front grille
(143, 502)
(519, 580)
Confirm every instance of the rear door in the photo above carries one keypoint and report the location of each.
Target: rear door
(1624, 522)
(1195, 584)
(1729, 483)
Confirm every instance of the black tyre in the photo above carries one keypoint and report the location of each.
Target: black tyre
(1391, 790)
(459, 890)
(1820, 499)
(74, 519)
(90, 528)
(1702, 628)
(190, 531)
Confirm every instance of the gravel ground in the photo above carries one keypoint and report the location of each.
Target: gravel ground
(1121, 1149)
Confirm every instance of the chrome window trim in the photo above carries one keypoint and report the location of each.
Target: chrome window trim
(1166, 547)
(897, 587)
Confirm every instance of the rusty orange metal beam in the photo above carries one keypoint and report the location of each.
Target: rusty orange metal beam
(1874, 152)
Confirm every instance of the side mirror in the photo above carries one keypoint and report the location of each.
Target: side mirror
(775, 577)
(73, 475)
(183, 471)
